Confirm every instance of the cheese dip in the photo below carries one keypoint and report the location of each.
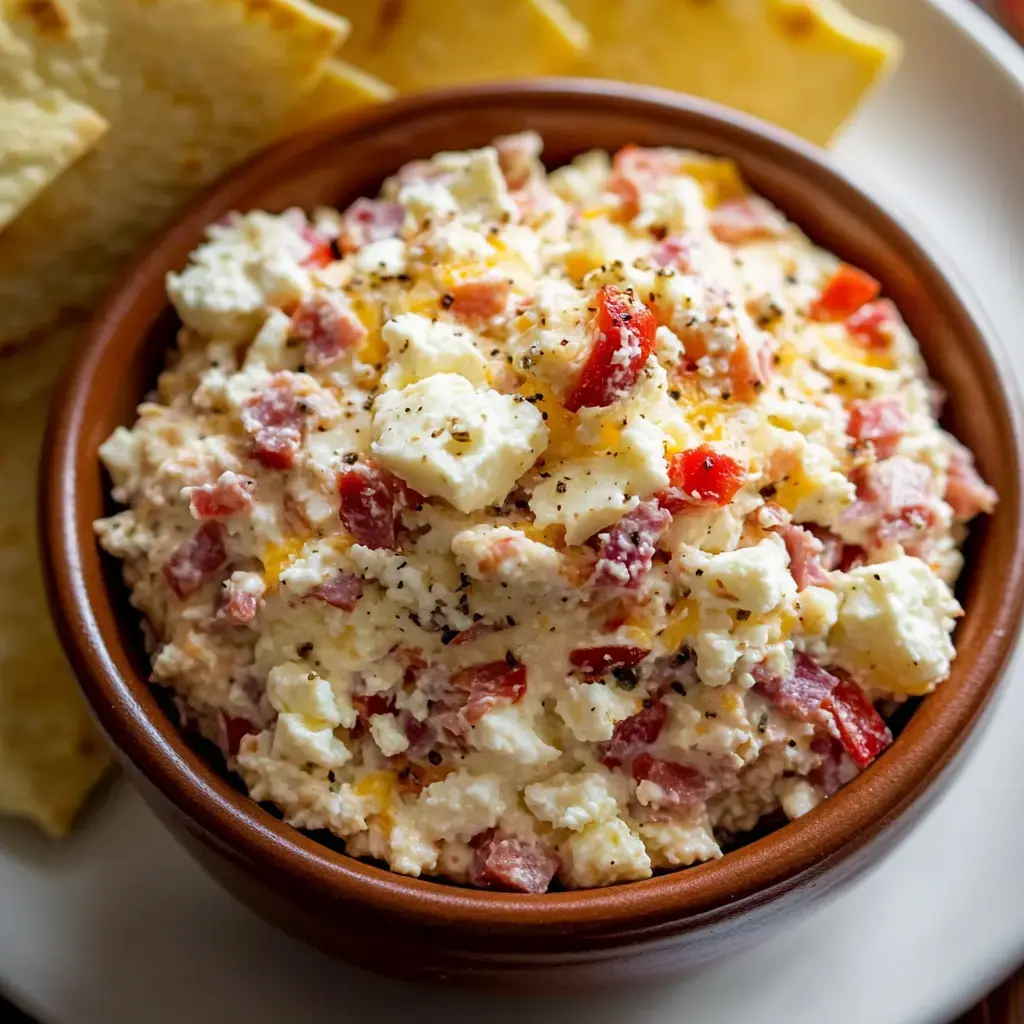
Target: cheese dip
(529, 529)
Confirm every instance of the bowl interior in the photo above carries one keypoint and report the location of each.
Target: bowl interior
(335, 165)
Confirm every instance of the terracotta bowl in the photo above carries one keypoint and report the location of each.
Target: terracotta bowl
(425, 928)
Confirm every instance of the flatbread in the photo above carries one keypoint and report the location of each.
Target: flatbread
(803, 64)
(342, 88)
(424, 44)
(42, 137)
(189, 87)
(51, 754)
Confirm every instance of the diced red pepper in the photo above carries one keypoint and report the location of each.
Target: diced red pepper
(275, 420)
(229, 495)
(598, 660)
(490, 684)
(862, 730)
(626, 551)
(871, 326)
(505, 862)
(701, 477)
(681, 784)
(622, 338)
(196, 560)
(632, 734)
(367, 507)
(844, 293)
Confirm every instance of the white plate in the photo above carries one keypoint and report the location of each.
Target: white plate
(117, 926)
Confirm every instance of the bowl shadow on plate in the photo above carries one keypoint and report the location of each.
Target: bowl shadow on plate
(159, 342)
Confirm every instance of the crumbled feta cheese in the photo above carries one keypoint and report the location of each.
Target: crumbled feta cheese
(602, 853)
(894, 625)
(420, 347)
(443, 437)
(461, 806)
(574, 799)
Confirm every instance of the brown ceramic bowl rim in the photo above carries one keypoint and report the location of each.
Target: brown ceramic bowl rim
(284, 856)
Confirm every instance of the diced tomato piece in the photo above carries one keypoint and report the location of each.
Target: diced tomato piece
(369, 704)
(799, 695)
(342, 590)
(745, 219)
(369, 220)
(327, 326)
(622, 338)
(862, 730)
(681, 784)
(231, 731)
(882, 421)
(632, 734)
(230, 494)
(844, 293)
(490, 684)
(598, 660)
(480, 299)
(676, 252)
(701, 477)
(275, 419)
(871, 326)
(966, 493)
(367, 507)
(626, 551)
(196, 560)
(320, 250)
(505, 862)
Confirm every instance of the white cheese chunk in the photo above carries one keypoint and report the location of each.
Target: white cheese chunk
(445, 438)
(602, 853)
(461, 806)
(592, 710)
(499, 552)
(302, 740)
(574, 799)
(420, 347)
(894, 625)
(755, 578)
(509, 732)
(247, 265)
(387, 735)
